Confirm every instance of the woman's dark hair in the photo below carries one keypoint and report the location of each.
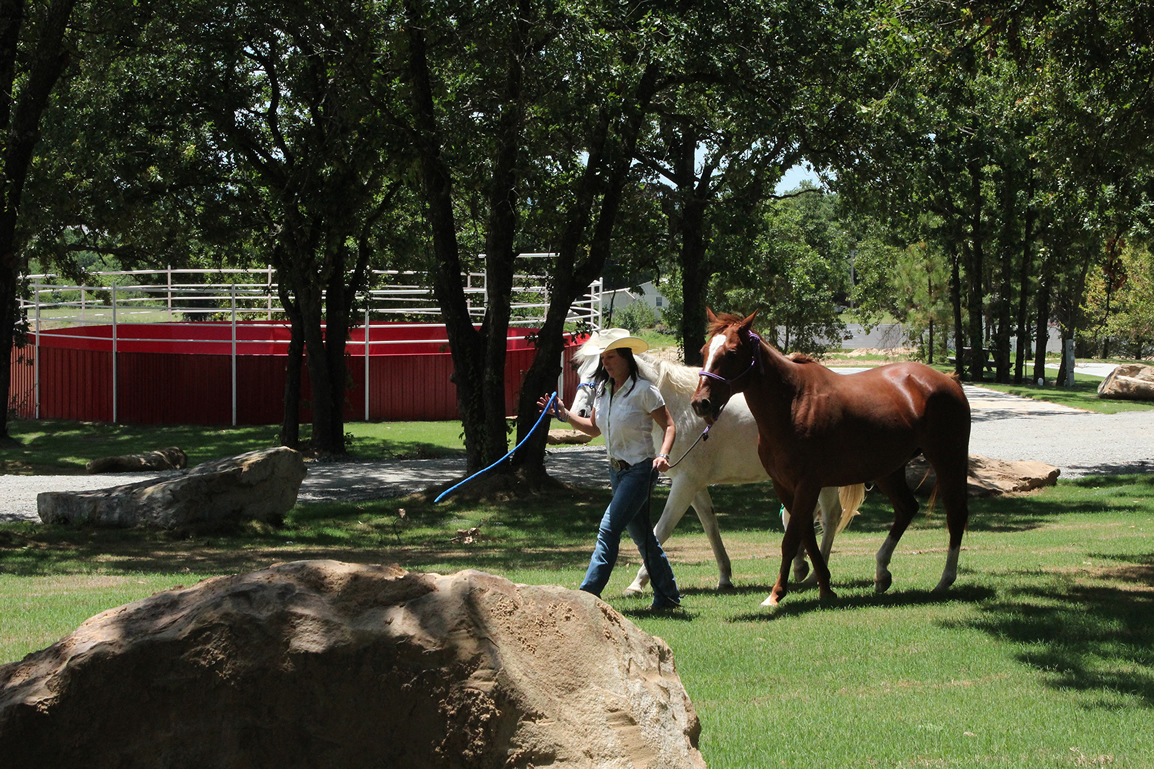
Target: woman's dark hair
(601, 376)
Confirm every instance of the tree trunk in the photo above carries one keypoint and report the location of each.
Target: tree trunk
(466, 344)
(695, 275)
(316, 359)
(956, 302)
(290, 431)
(500, 244)
(1042, 319)
(1024, 282)
(974, 274)
(8, 285)
(20, 126)
(607, 173)
(339, 296)
(1006, 249)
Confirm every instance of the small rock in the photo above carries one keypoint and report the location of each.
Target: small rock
(172, 458)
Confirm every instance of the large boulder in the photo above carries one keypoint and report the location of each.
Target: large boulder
(987, 477)
(328, 664)
(1131, 382)
(172, 458)
(260, 485)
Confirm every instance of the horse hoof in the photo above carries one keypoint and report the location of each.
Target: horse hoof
(827, 595)
(725, 587)
(770, 603)
(801, 572)
(882, 584)
(632, 591)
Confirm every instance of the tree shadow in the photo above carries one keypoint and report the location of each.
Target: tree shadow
(801, 604)
(756, 508)
(1086, 637)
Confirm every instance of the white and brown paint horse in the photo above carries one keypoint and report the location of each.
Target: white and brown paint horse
(817, 428)
(727, 456)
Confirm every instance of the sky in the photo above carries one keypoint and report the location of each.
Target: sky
(794, 177)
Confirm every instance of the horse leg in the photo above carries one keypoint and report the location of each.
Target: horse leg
(800, 565)
(675, 506)
(703, 506)
(905, 507)
(800, 530)
(829, 505)
(952, 488)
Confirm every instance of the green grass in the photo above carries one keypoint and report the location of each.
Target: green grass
(1083, 395)
(1042, 655)
(58, 446)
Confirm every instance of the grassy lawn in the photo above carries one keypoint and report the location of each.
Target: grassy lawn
(61, 447)
(1042, 655)
(1083, 395)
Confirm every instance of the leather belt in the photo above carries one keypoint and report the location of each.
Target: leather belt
(620, 464)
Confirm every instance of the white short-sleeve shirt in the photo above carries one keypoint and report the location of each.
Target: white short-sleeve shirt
(624, 419)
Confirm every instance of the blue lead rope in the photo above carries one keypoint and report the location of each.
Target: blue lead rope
(545, 411)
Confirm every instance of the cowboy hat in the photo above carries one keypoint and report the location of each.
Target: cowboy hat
(611, 339)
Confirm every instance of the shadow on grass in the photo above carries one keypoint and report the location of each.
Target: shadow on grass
(1091, 636)
(552, 532)
(676, 615)
(797, 604)
(755, 507)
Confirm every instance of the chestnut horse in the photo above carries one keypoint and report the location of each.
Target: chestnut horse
(817, 428)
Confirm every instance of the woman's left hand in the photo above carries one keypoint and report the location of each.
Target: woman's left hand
(661, 464)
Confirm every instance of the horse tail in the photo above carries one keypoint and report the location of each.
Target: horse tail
(851, 498)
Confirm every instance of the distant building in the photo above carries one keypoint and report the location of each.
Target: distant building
(623, 297)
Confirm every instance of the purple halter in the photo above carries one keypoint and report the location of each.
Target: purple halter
(754, 361)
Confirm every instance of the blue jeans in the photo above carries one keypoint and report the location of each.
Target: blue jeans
(629, 511)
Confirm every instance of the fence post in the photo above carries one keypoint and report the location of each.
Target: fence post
(232, 300)
(115, 383)
(36, 358)
(367, 300)
(169, 302)
(1069, 354)
(268, 293)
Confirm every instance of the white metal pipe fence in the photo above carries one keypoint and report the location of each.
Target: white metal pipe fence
(234, 295)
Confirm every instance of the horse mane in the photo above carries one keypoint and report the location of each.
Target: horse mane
(723, 321)
(682, 378)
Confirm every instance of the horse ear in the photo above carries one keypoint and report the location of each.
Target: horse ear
(747, 324)
(710, 316)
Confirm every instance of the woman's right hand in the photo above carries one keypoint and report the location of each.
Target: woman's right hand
(559, 409)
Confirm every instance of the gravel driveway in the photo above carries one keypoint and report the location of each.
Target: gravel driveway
(1004, 427)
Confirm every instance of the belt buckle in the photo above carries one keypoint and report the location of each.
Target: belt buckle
(617, 464)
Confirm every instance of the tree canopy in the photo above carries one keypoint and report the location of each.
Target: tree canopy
(991, 163)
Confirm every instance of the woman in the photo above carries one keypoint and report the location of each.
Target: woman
(624, 408)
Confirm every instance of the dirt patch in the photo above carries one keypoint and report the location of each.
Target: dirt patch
(496, 488)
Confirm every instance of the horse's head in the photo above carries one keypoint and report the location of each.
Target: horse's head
(583, 400)
(730, 353)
